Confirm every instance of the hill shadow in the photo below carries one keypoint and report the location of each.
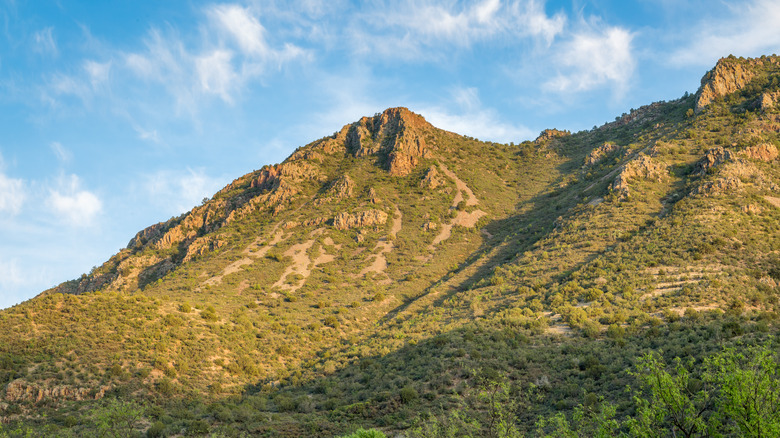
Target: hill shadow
(447, 372)
(513, 235)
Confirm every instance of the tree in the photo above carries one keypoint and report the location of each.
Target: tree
(677, 403)
(749, 383)
(117, 419)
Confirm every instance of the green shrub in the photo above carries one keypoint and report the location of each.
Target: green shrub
(408, 394)
(156, 430)
(331, 321)
(363, 433)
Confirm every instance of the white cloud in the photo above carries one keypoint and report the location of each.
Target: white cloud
(44, 41)
(747, 29)
(63, 84)
(419, 29)
(62, 154)
(12, 195)
(534, 21)
(73, 205)
(234, 51)
(243, 27)
(85, 85)
(179, 191)
(465, 115)
(97, 73)
(594, 58)
(12, 192)
(10, 275)
(216, 75)
(147, 135)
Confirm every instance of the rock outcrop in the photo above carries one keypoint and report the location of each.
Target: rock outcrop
(363, 219)
(22, 391)
(712, 159)
(763, 152)
(643, 114)
(640, 168)
(342, 188)
(730, 75)
(432, 179)
(152, 233)
(203, 245)
(550, 134)
(767, 101)
(719, 186)
(600, 152)
(399, 137)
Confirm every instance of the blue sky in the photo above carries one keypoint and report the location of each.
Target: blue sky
(117, 115)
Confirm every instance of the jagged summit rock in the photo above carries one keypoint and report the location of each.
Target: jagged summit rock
(397, 136)
(550, 134)
(729, 75)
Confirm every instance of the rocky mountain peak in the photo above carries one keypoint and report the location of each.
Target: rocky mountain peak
(397, 136)
(729, 75)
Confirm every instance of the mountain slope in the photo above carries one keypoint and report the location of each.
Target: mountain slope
(373, 260)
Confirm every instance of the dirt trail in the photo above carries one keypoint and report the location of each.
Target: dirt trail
(462, 188)
(379, 264)
(463, 218)
(256, 249)
(673, 279)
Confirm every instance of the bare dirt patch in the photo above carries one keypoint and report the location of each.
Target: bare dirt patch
(254, 250)
(300, 265)
(464, 219)
(772, 200)
(303, 264)
(379, 264)
(462, 188)
(444, 234)
(230, 269)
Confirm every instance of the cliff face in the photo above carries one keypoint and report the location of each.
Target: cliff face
(730, 75)
(398, 137)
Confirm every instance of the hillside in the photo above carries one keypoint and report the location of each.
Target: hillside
(387, 274)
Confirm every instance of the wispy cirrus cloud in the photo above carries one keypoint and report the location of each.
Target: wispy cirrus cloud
(243, 27)
(12, 195)
(579, 55)
(465, 114)
(419, 29)
(177, 191)
(746, 29)
(235, 50)
(12, 192)
(63, 155)
(44, 42)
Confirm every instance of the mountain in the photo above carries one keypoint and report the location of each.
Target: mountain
(388, 274)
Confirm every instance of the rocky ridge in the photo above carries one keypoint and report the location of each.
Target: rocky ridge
(731, 75)
(397, 138)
